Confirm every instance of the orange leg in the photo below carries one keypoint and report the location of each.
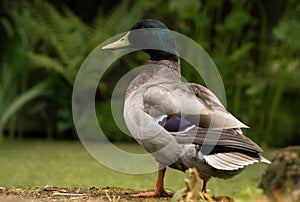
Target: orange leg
(204, 187)
(204, 192)
(159, 190)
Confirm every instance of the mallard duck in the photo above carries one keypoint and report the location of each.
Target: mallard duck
(182, 125)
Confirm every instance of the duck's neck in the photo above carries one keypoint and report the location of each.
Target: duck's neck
(156, 71)
(174, 65)
(158, 55)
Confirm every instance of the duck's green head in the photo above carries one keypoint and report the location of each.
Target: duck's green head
(151, 36)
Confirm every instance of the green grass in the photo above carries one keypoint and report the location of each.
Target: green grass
(27, 163)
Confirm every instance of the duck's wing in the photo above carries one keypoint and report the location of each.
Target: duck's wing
(223, 149)
(193, 115)
(226, 149)
(194, 102)
(224, 140)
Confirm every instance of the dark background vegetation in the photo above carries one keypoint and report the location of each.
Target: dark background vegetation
(254, 44)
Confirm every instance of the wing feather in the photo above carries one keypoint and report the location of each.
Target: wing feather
(196, 103)
(229, 138)
(229, 161)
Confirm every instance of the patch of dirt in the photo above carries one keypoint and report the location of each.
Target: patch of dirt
(51, 193)
(93, 194)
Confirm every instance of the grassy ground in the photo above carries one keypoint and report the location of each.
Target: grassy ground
(30, 163)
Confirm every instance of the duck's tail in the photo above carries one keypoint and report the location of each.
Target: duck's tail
(264, 160)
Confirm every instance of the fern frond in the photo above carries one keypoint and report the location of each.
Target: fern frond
(40, 60)
(61, 40)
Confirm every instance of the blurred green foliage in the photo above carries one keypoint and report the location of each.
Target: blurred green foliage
(15, 91)
(254, 44)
